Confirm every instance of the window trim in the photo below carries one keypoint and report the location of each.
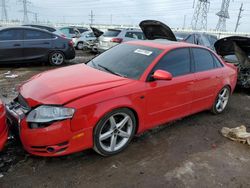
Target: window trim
(149, 79)
(215, 57)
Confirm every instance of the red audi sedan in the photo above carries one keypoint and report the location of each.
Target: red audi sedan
(3, 127)
(129, 89)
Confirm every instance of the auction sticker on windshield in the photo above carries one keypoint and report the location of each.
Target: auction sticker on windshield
(143, 52)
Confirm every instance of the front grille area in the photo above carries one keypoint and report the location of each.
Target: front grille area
(22, 102)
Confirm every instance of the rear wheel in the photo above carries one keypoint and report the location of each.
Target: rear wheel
(114, 132)
(221, 100)
(56, 58)
(79, 46)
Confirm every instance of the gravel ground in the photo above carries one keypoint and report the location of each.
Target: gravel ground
(187, 153)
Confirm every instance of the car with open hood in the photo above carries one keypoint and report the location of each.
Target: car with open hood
(236, 50)
(126, 90)
(3, 127)
(113, 37)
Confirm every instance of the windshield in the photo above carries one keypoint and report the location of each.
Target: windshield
(126, 60)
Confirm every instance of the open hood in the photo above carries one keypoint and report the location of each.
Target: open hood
(96, 32)
(153, 29)
(235, 45)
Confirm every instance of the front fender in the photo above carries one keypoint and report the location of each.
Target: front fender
(88, 117)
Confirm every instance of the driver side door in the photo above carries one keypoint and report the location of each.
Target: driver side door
(170, 100)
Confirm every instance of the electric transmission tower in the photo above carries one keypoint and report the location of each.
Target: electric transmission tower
(4, 10)
(25, 10)
(199, 20)
(223, 16)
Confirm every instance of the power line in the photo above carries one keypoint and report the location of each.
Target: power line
(199, 20)
(239, 17)
(4, 11)
(223, 15)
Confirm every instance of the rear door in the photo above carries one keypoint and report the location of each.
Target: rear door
(207, 79)
(11, 45)
(37, 44)
(169, 100)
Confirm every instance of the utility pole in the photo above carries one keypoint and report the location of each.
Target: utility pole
(36, 17)
(4, 11)
(239, 17)
(184, 22)
(25, 10)
(223, 15)
(199, 20)
(111, 19)
(91, 18)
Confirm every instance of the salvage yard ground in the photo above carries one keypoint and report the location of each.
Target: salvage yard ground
(187, 153)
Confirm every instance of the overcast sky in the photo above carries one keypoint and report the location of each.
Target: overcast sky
(128, 11)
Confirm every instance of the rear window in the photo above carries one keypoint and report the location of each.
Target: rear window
(127, 60)
(112, 33)
(203, 59)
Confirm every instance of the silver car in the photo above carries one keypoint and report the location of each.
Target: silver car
(112, 37)
(86, 38)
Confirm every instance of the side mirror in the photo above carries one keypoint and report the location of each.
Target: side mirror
(162, 75)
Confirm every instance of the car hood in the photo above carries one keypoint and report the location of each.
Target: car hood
(235, 45)
(96, 32)
(65, 85)
(153, 29)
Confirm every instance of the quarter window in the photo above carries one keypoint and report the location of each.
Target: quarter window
(33, 34)
(203, 60)
(176, 62)
(216, 61)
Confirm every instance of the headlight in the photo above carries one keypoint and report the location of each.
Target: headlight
(45, 114)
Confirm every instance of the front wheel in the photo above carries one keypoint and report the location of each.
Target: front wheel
(56, 58)
(79, 46)
(221, 100)
(114, 132)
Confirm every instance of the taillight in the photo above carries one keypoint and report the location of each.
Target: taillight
(117, 40)
(71, 43)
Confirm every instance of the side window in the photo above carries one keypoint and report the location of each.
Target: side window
(33, 34)
(217, 63)
(190, 39)
(11, 34)
(177, 62)
(203, 59)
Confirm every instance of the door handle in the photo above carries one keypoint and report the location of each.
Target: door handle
(16, 45)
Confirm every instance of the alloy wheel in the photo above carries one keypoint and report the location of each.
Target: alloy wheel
(57, 58)
(222, 99)
(116, 132)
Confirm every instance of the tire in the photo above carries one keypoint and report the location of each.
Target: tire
(79, 46)
(56, 58)
(221, 100)
(114, 132)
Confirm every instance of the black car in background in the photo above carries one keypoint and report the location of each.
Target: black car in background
(202, 39)
(26, 44)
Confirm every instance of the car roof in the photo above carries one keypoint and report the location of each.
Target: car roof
(25, 27)
(163, 44)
